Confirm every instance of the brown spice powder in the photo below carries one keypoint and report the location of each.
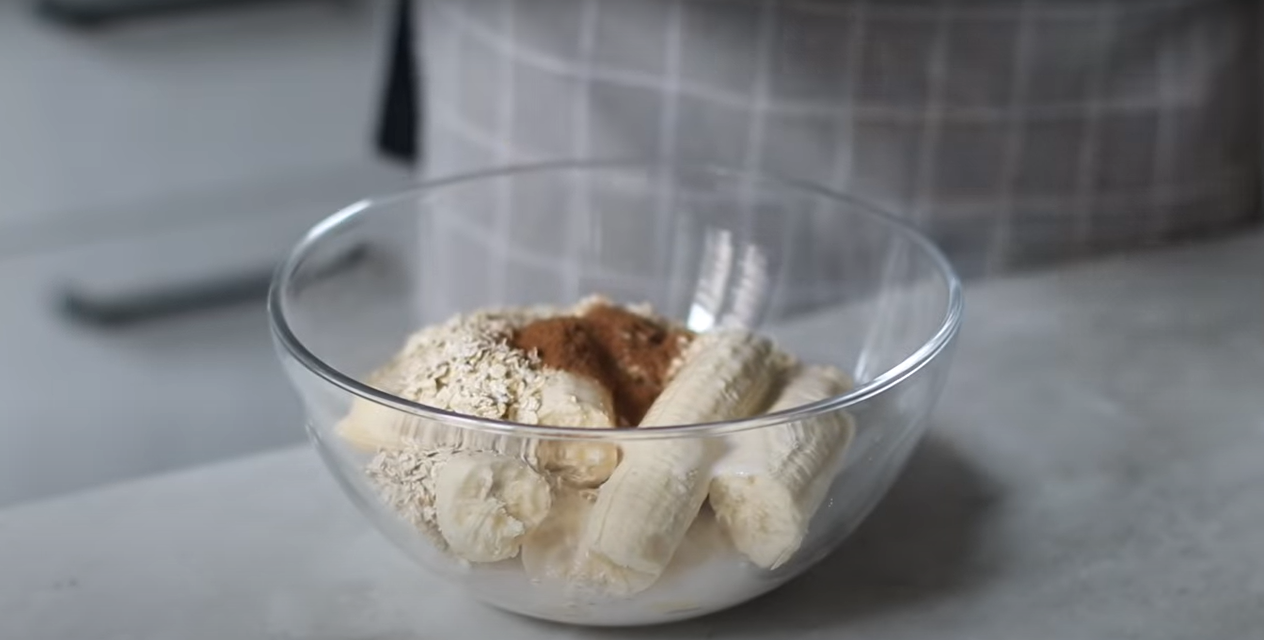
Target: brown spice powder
(567, 343)
(628, 353)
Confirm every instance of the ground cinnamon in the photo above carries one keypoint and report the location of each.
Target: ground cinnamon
(628, 353)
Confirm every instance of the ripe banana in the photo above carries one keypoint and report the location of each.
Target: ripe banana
(549, 551)
(781, 473)
(486, 503)
(565, 400)
(643, 511)
(569, 400)
(371, 427)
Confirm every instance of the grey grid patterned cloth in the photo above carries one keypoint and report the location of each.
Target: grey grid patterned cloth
(1016, 132)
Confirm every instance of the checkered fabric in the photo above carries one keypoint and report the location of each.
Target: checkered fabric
(1016, 132)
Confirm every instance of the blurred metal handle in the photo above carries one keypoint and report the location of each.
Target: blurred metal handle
(154, 304)
(92, 13)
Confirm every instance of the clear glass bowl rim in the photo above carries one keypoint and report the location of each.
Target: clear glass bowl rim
(927, 352)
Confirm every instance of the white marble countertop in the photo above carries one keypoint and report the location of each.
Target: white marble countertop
(1093, 471)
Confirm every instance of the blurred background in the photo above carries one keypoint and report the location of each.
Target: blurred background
(1098, 446)
(154, 154)
(157, 157)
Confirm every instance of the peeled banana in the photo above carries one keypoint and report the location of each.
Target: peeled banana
(569, 400)
(566, 400)
(548, 552)
(781, 474)
(486, 504)
(643, 511)
(372, 427)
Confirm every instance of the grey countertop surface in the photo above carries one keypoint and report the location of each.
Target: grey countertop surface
(1095, 469)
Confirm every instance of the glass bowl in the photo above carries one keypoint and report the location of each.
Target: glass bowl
(831, 280)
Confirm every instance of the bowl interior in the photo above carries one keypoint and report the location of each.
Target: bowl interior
(705, 246)
(832, 280)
